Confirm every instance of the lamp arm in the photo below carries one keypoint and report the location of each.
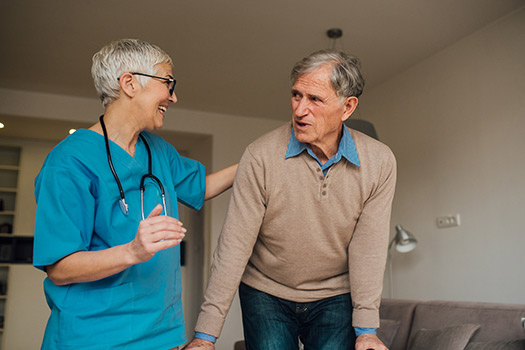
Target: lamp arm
(389, 258)
(391, 244)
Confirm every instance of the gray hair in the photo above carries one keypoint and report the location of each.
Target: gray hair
(121, 56)
(346, 76)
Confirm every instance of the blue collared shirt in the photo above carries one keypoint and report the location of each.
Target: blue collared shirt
(346, 149)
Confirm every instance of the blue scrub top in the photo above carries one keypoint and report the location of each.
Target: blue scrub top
(77, 210)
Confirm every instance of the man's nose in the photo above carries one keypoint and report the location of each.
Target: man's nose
(301, 108)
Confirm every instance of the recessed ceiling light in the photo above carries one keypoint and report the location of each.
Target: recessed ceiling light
(2, 125)
(72, 131)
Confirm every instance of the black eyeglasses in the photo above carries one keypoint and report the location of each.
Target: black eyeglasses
(169, 81)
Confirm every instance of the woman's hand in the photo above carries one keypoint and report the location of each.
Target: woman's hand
(156, 232)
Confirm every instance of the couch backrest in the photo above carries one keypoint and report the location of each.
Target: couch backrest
(498, 321)
(399, 310)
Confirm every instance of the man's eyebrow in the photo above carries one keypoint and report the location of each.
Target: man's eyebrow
(315, 96)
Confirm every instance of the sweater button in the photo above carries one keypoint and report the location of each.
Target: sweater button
(324, 193)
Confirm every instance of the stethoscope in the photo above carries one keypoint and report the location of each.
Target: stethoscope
(122, 201)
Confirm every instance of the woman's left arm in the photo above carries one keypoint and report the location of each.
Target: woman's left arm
(220, 181)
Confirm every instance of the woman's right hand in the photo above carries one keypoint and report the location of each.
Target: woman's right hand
(156, 232)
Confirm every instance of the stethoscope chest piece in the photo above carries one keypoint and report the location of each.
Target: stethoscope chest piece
(123, 206)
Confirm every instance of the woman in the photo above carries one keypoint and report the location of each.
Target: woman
(106, 229)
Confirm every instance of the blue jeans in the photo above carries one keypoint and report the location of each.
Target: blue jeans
(271, 323)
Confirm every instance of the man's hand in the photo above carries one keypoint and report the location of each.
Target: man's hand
(369, 341)
(200, 345)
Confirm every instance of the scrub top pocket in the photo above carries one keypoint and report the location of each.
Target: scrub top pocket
(97, 316)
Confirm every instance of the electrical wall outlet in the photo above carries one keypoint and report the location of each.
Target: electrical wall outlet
(448, 221)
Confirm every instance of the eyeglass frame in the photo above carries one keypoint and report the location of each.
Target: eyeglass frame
(167, 80)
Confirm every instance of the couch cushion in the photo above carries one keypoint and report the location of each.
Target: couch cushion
(518, 344)
(497, 321)
(402, 311)
(448, 338)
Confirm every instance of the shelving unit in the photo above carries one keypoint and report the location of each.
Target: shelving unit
(23, 308)
(9, 167)
(4, 273)
(9, 171)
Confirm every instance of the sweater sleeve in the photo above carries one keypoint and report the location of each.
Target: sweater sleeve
(369, 245)
(236, 242)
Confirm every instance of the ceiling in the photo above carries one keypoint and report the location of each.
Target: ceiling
(56, 130)
(230, 56)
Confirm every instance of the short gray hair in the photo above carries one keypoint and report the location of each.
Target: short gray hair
(346, 76)
(121, 56)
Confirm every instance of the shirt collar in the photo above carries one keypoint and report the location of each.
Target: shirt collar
(346, 148)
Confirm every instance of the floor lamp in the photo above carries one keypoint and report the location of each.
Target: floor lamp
(404, 242)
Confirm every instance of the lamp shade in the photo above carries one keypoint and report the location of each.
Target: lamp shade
(404, 241)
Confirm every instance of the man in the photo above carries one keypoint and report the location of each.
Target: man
(307, 229)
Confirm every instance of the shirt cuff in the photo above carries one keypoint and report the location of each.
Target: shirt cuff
(359, 331)
(204, 336)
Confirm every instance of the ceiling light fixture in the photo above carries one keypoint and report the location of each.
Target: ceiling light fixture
(334, 34)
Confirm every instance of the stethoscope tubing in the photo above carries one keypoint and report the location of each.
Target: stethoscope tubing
(122, 200)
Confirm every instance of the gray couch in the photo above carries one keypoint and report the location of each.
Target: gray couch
(449, 325)
(409, 324)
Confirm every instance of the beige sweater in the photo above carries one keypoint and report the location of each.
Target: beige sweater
(300, 236)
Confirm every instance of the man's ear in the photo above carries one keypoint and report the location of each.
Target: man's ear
(128, 85)
(350, 105)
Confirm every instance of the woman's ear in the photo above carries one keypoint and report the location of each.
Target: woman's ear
(350, 105)
(128, 84)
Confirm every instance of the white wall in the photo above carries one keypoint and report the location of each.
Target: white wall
(456, 123)
(26, 309)
(230, 136)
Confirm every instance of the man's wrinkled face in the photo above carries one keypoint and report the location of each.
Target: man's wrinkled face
(317, 112)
